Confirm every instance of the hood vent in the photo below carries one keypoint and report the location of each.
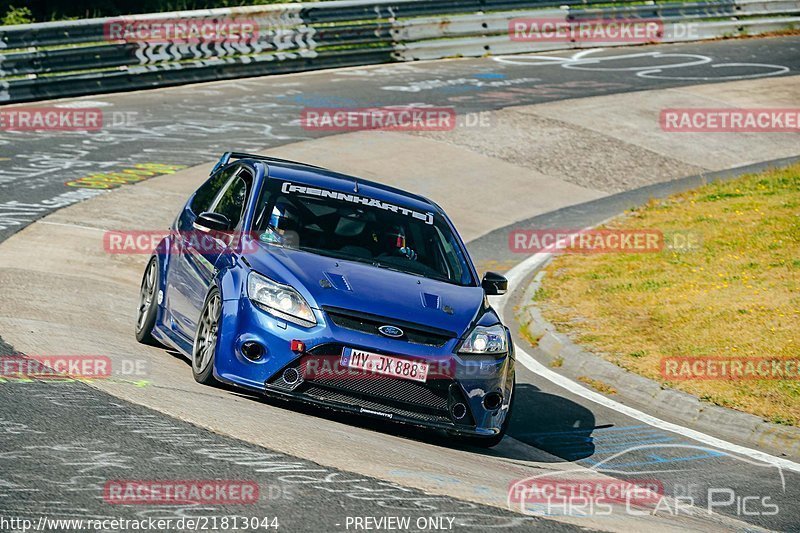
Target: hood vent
(338, 281)
(431, 301)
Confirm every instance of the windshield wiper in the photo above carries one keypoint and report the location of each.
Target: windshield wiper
(396, 269)
(334, 255)
(388, 267)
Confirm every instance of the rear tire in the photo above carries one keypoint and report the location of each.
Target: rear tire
(204, 348)
(148, 304)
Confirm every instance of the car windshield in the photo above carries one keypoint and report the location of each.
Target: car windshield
(353, 227)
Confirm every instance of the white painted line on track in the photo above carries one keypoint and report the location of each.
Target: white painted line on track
(65, 225)
(515, 276)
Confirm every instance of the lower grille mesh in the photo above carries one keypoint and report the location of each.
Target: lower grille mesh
(390, 389)
(422, 401)
(335, 396)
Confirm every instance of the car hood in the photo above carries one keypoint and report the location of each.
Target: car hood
(325, 281)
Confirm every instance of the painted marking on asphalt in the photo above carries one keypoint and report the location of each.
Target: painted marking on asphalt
(658, 460)
(583, 61)
(771, 70)
(515, 277)
(14, 213)
(573, 444)
(101, 230)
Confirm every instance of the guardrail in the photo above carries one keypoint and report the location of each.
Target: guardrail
(70, 58)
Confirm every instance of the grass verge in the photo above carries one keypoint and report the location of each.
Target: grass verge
(735, 296)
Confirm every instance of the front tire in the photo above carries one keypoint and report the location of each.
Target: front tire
(205, 339)
(148, 305)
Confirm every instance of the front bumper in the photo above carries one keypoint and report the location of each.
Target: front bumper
(430, 404)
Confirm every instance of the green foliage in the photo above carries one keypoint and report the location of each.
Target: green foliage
(52, 10)
(47, 10)
(17, 15)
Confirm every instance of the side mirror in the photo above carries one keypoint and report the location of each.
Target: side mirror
(494, 284)
(212, 222)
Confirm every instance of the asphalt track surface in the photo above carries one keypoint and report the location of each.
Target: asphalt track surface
(196, 123)
(60, 470)
(60, 443)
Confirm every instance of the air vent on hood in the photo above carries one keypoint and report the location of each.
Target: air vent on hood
(338, 281)
(431, 301)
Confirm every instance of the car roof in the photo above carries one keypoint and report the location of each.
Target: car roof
(328, 179)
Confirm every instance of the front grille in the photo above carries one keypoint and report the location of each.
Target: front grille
(396, 390)
(321, 393)
(428, 401)
(366, 323)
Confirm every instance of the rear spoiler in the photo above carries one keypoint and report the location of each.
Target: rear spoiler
(228, 156)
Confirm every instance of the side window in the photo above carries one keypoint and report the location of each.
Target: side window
(454, 262)
(233, 199)
(262, 215)
(205, 195)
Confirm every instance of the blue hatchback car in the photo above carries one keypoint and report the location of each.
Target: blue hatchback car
(302, 283)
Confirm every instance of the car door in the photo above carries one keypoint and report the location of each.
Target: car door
(193, 268)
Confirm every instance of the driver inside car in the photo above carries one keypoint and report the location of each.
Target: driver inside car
(395, 241)
(283, 225)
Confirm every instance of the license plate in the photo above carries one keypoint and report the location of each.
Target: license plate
(387, 365)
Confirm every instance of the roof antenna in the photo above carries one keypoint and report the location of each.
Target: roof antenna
(355, 185)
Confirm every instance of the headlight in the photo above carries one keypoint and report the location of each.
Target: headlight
(279, 300)
(483, 340)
